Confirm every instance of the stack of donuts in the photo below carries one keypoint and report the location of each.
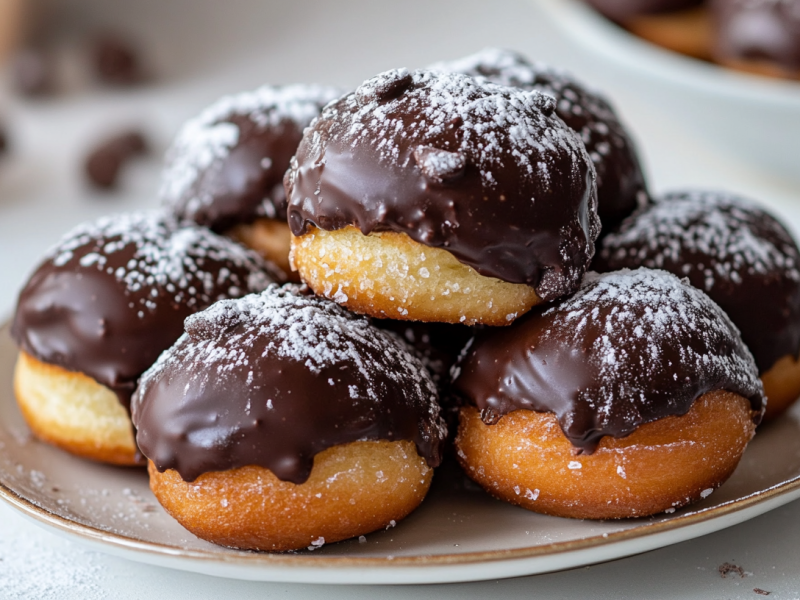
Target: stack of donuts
(336, 279)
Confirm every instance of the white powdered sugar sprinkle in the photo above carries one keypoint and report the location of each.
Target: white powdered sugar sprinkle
(156, 258)
(714, 237)
(582, 107)
(210, 136)
(498, 123)
(635, 326)
(305, 329)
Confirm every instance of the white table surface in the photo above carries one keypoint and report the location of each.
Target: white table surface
(202, 49)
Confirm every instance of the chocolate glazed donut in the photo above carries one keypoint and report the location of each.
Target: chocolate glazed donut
(487, 173)
(633, 396)
(303, 419)
(100, 309)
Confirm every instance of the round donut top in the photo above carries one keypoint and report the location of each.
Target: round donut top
(226, 165)
(623, 11)
(275, 378)
(113, 294)
(620, 181)
(736, 252)
(485, 171)
(758, 30)
(628, 348)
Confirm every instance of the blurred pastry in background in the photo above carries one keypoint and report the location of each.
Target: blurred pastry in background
(105, 161)
(760, 37)
(11, 24)
(225, 168)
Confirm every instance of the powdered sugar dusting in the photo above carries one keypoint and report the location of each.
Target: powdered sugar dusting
(716, 238)
(656, 313)
(581, 107)
(498, 123)
(155, 259)
(306, 329)
(210, 136)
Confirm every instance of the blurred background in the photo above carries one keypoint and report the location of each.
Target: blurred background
(76, 73)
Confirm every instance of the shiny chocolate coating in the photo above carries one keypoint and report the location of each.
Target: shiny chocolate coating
(623, 11)
(621, 184)
(629, 348)
(438, 344)
(113, 294)
(733, 250)
(758, 30)
(226, 166)
(275, 378)
(487, 172)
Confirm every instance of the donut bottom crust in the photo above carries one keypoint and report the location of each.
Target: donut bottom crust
(74, 412)
(353, 489)
(389, 275)
(781, 386)
(526, 460)
(271, 238)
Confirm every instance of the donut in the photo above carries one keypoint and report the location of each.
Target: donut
(225, 168)
(738, 254)
(632, 397)
(621, 184)
(760, 37)
(100, 308)
(281, 421)
(431, 196)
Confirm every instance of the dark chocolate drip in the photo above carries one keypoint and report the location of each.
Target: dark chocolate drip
(114, 294)
(629, 348)
(621, 184)
(477, 169)
(226, 167)
(734, 251)
(274, 379)
(762, 31)
(622, 11)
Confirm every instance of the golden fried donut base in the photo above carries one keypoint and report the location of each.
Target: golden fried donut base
(781, 386)
(271, 238)
(72, 411)
(353, 489)
(526, 460)
(389, 275)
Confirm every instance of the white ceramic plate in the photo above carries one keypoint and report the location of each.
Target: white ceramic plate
(745, 116)
(458, 534)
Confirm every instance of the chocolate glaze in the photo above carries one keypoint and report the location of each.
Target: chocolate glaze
(621, 184)
(761, 31)
(114, 293)
(733, 250)
(622, 11)
(485, 171)
(275, 378)
(629, 348)
(226, 166)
